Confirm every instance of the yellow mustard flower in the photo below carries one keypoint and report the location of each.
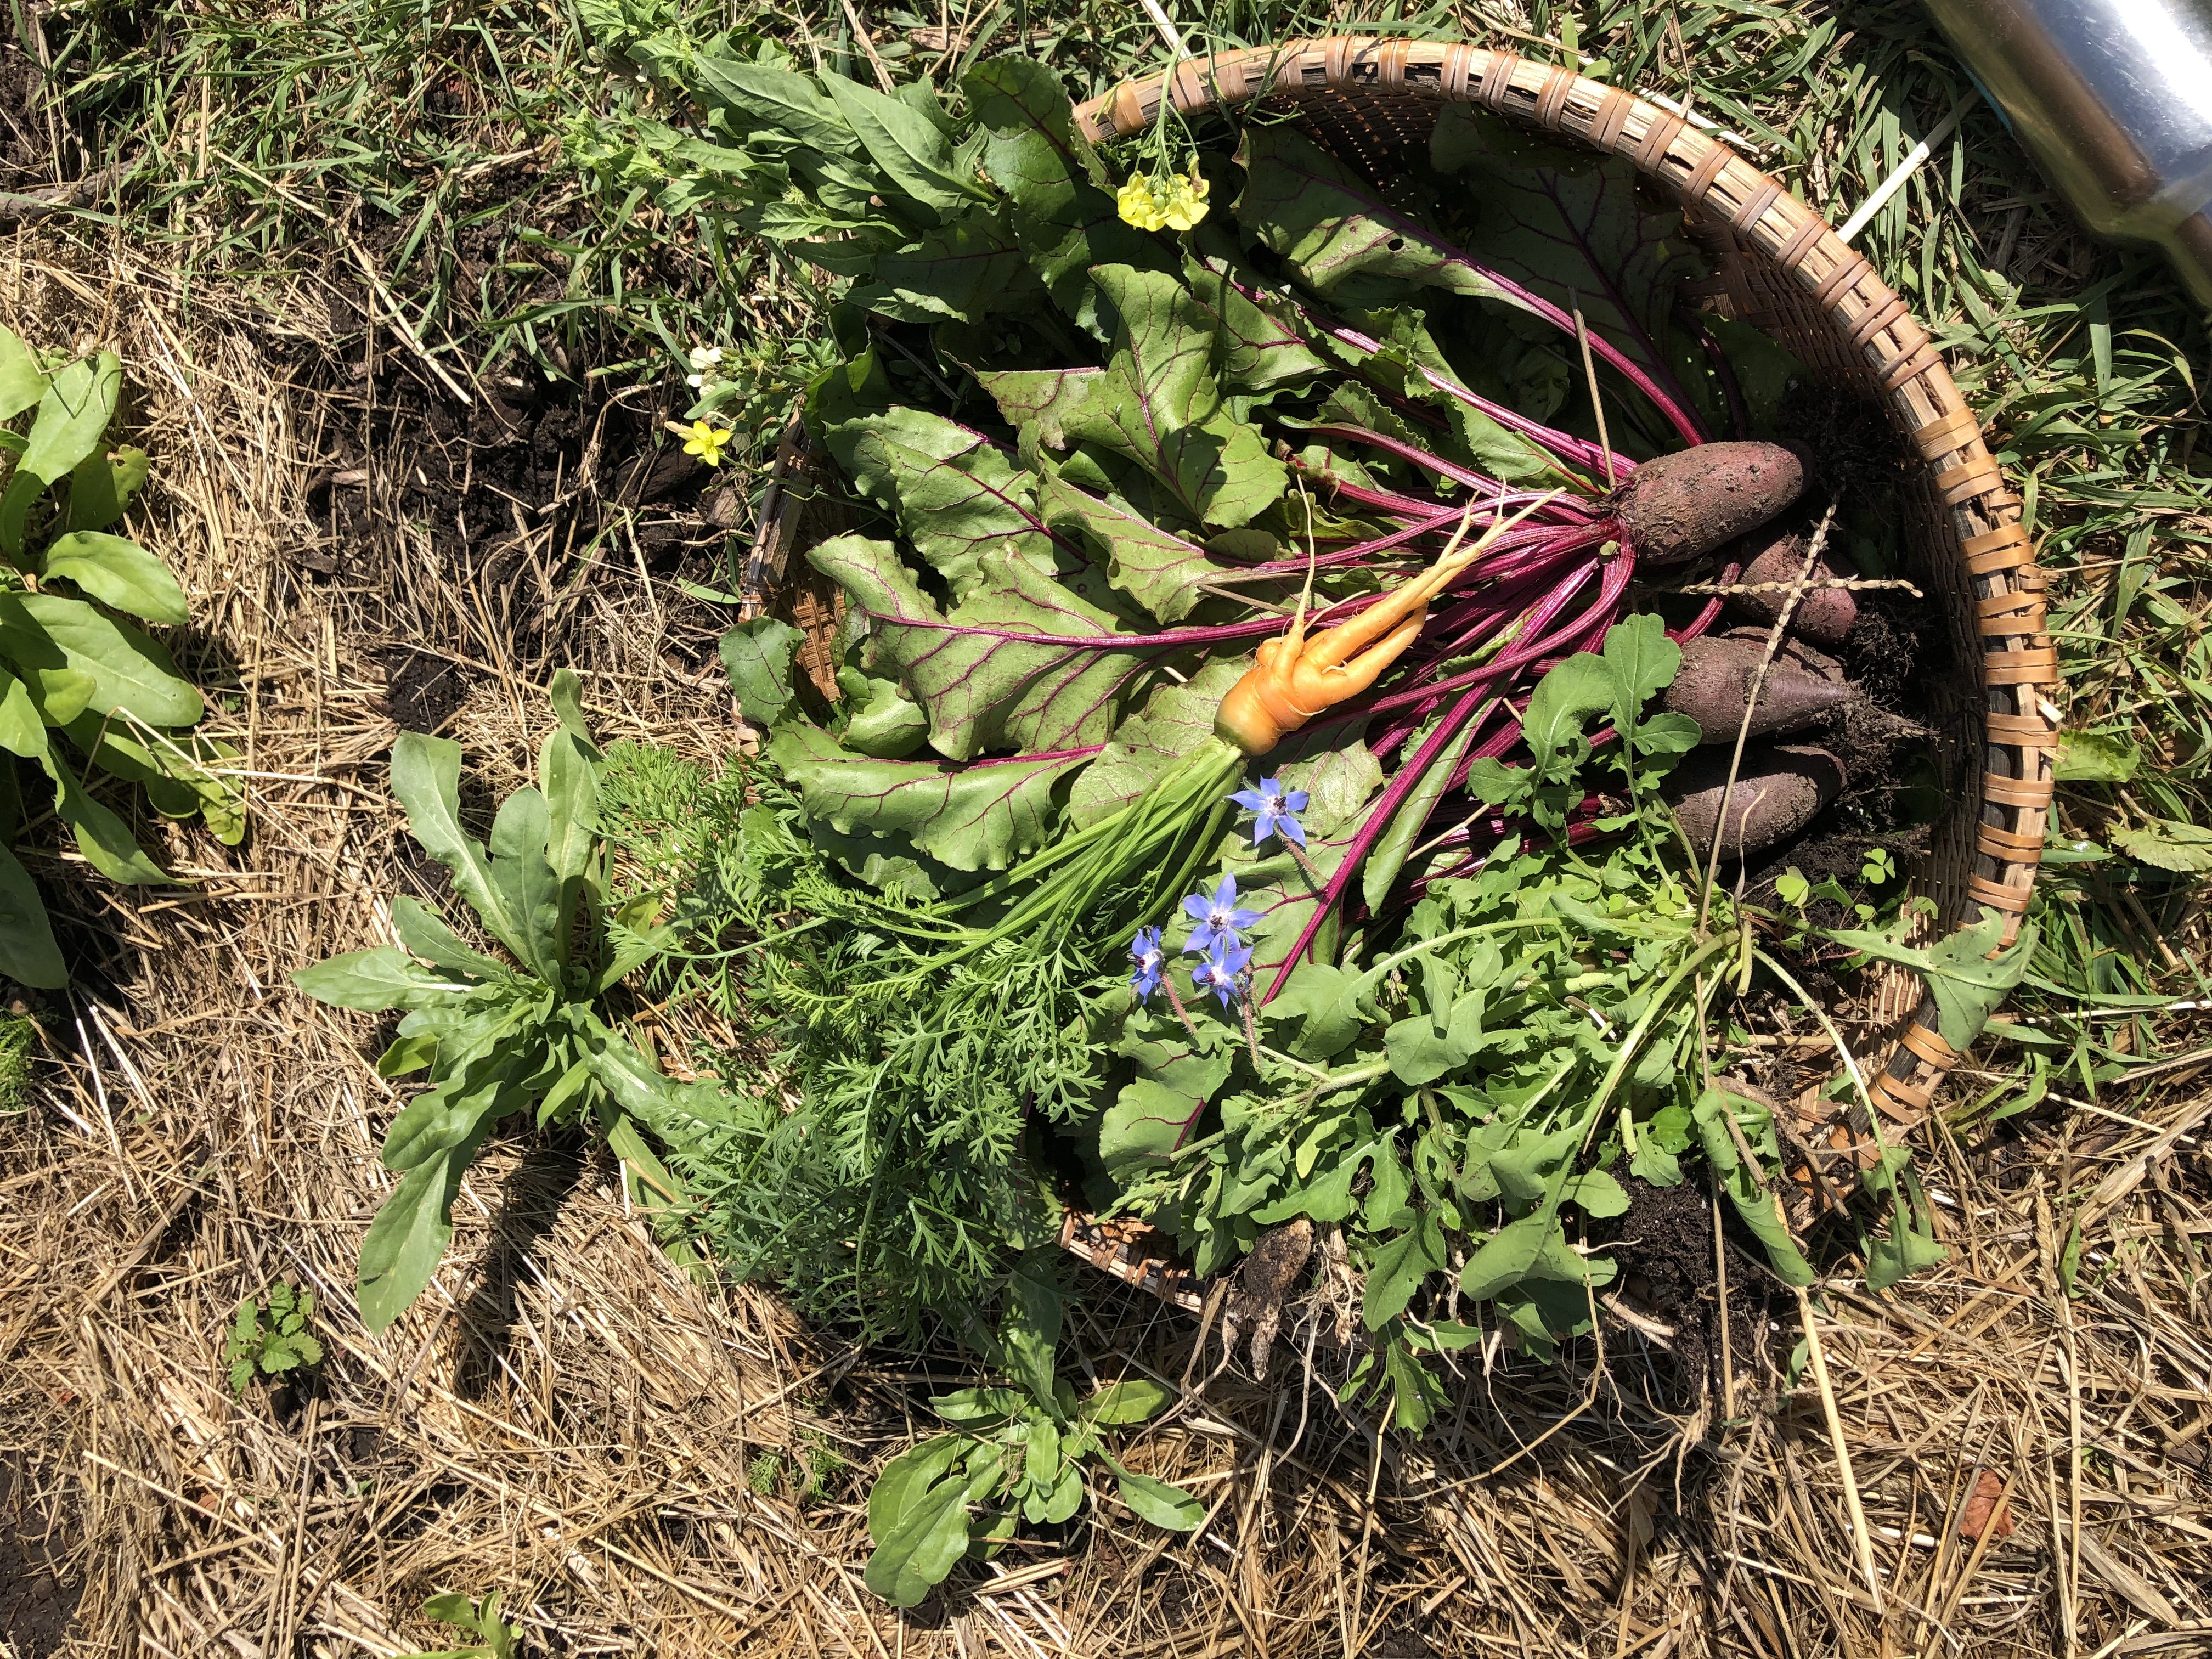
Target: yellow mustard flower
(1186, 199)
(1133, 201)
(707, 442)
(1172, 202)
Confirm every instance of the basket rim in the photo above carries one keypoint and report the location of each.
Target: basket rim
(2018, 664)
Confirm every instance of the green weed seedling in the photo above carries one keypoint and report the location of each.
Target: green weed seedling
(271, 1339)
(497, 1638)
(68, 666)
(1014, 1454)
(497, 1037)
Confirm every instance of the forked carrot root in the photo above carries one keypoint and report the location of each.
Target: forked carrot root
(1297, 678)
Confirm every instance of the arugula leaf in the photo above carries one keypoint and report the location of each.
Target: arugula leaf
(756, 655)
(1577, 688)
(1399, 1266)
(1969, 973)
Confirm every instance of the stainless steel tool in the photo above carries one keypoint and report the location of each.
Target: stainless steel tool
(2114, 98)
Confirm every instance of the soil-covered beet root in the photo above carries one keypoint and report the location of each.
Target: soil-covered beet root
(1824, 615)
(1683, 505)
(1796, 653)
(1777, 791)
(1715, 681)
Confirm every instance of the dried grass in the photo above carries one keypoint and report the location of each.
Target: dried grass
(567, 1419)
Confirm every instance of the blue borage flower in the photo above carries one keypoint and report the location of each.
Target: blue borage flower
(1274, 804)
(1223, 970)
(1145, 952)
(1217, 917)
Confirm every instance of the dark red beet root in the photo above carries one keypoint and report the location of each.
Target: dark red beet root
(1683, 505)
(1715, 683)
(1777, 793)
(1824, 615)
(1794, 653)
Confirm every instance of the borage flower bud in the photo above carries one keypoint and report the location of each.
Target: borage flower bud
(1145, 952)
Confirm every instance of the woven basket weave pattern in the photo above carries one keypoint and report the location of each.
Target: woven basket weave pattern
(1781, 269)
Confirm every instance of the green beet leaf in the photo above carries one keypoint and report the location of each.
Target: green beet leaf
(374, 981)
(73, 416)
(1158, 405)
(407, 1237)
(426, 776)
(1159, 569)
(1025, 663)
(103, 839)
(973, 267)
(1570, 228)
(906, 1480)
(881, 721)
(983, 816)
(1138, 1400)
(956, 494)
(1340, 238)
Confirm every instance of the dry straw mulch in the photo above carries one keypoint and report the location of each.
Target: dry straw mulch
(644, 1468)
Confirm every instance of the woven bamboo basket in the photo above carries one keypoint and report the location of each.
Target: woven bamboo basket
(1780, 269)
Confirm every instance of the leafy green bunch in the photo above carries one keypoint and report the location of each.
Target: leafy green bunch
(494, 1037)
(273, 1337)
(1014, 1454)
(497, 1638)
(74, 679)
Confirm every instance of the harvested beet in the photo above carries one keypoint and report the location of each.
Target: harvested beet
(1777, 791)
(1823, 613)
(1715, 683)
(1682, 505)
(1794, 653)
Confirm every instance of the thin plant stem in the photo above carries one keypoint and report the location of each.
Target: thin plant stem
(1181, 1012)
(1590, 372)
